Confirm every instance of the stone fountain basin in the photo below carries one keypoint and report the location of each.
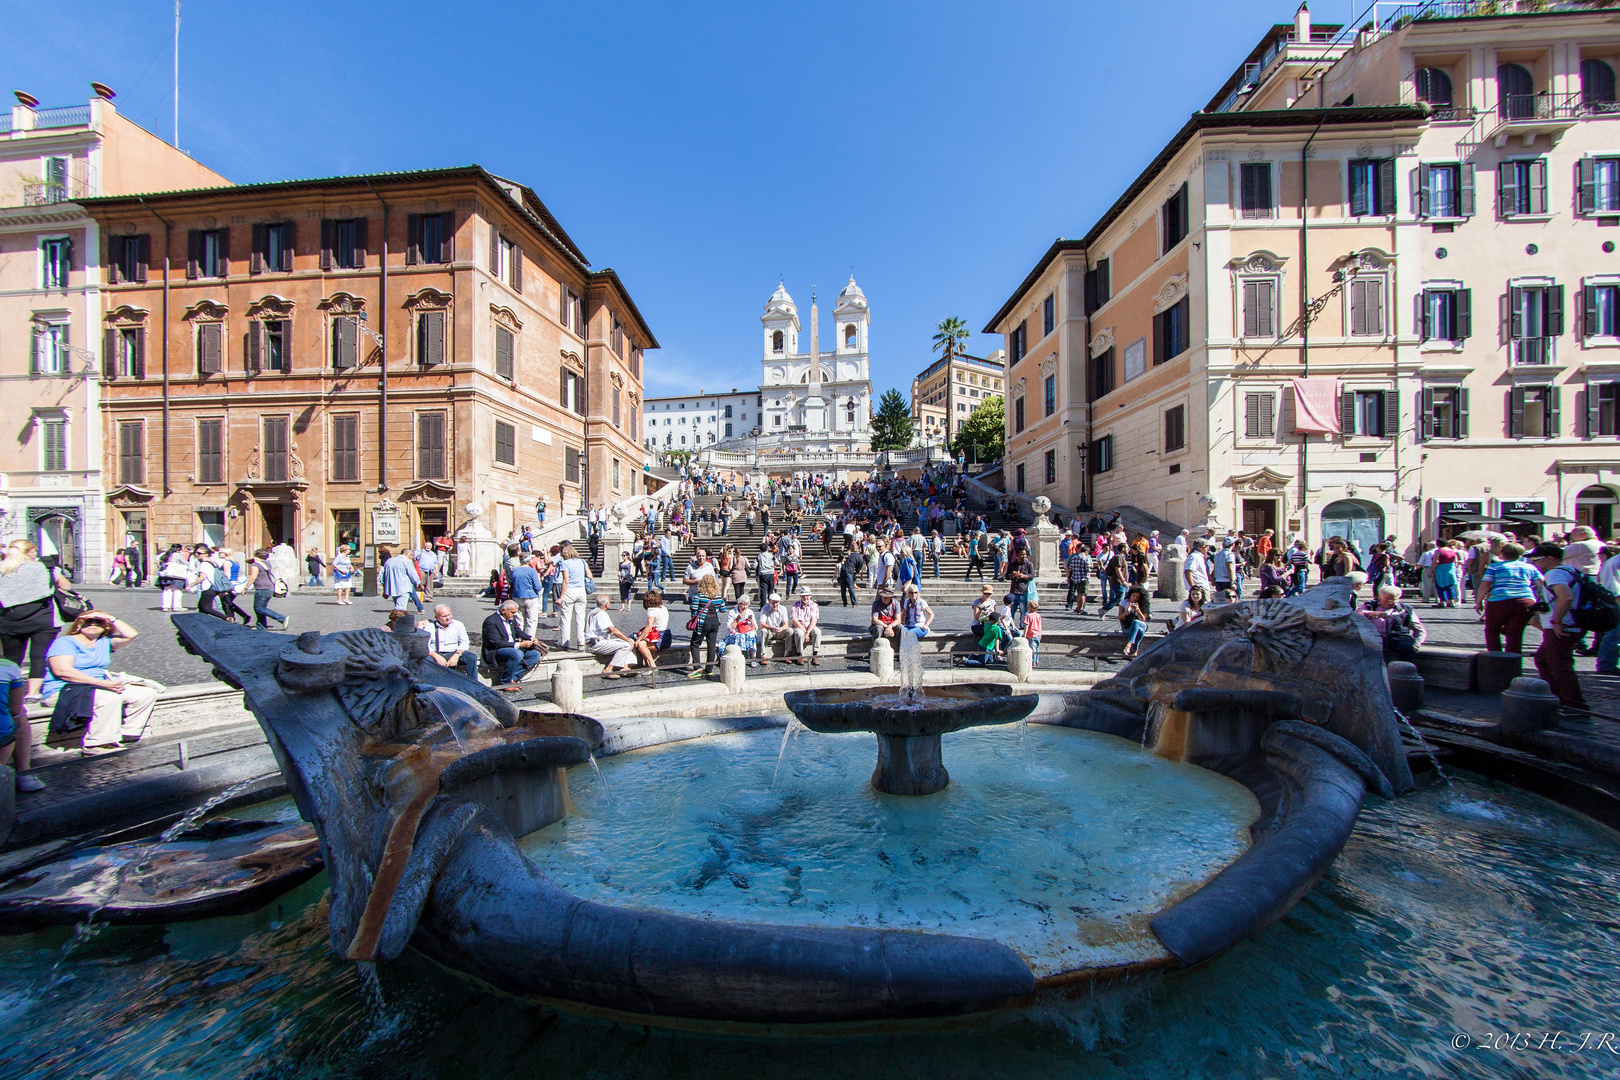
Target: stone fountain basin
(942, 710)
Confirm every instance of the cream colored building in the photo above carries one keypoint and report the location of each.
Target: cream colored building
(51, 306)
(1422, 219)
(945, 393)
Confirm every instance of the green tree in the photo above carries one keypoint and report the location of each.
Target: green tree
(952, 335)
(891, 425)
(984, 436)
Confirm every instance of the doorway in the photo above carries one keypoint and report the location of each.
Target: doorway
(346, 530)
(277, 525)
(57, 536)
(1361, 523)
(1259, 515)
(1594, 507)
(434, 522)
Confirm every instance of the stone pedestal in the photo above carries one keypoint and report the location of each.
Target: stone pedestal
(483, 551)
(1495, 672)
(1405, 686)
(883, 659)
(285, 565)
(615, 542)
(1043, 551)
(568, 687)
(1528, 705)
(1171, 586)
(909, 765)
(733, 668)
(1020, 659)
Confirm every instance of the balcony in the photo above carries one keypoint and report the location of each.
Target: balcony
(1533, 351)
(1529, 115)
(46, 193)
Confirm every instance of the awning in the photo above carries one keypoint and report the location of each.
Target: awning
(1538, 519)
(1471, 519)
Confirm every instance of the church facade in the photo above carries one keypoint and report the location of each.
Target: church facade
(816, 399)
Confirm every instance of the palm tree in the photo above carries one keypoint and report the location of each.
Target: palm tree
(953, 334)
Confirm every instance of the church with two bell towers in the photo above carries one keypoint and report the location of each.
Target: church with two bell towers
(817, 399)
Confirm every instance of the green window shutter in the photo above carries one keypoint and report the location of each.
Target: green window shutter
(1507, 188)
(1538, 186)
(1554, 396)
(1462, 413)
(1426, 414)
(1516, 412)
(1463, 307)
(1465, 190)
(1554, 298)
(1515, 312)
(1586, 184)
(1420, 191)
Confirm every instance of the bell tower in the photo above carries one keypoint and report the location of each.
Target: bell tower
(851, 316)
(781, 329)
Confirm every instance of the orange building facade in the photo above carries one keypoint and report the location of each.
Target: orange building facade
(353, 360)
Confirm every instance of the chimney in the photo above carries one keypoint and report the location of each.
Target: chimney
(22, 113)
(1302, 23)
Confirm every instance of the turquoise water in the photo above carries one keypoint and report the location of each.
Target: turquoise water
(1465, 912)
(1061, 845)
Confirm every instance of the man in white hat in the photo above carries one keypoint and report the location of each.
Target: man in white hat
(804, 627)
(773, 627)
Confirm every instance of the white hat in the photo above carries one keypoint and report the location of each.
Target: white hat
(774, 598)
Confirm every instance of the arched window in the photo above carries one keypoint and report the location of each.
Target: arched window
(1597, 84)
(849, 411)
(776, 342)
(1433, 86)
(1515, 92)
(850, 335)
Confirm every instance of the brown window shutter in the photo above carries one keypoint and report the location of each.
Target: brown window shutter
(114, 259)
(494, 249)
(413, 238)
(137, 354)
(109, 354)
(255, 347)
(447, 237)
(327, 229)
(256, 256)
(362, 243)
(224, 250)
(503, 352)
(517, 268)
(143, 258)
(193, 251)
(289, 240)
(1347, 412)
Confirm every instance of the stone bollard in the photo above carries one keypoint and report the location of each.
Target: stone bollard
(1528, 705)
(883, 660)
(733, 668)
(1405, 686)
(568, 687)
(1494, 672)
(1020, 659)
(1170, 586)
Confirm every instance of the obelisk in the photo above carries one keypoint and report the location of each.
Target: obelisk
(815, 410)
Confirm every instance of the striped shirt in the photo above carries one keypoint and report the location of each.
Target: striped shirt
(1516, 580)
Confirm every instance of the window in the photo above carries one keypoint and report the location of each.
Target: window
(210, 451)
(1445, 191)
(345, 448)
(1018, 412)
(1433, 86)
(1600, 186)
(1254, 189)
(1048, 315)
(124, 353)
(635, 361)
(616, 393)
(1260, 416)
(849, 411)
(1443, 413)
(430, 339)
(273, 450)
(1102, 454)
(851, 336)
(728, 430)
(1367, 306)
(53, 451)
(616, 469)
(570, 315)
(56, 179)
(1170, 331)
(1533, 412)
(728, 412)
(1447, 314)
(131, 452)
(1362, 412)
(1522, 187)
(345, 341)
(1097, 286)
(505, 259)
(1535, 321)
(210, 347)
(1017, 345)
(428, 237)
(430, 446)
(571, 396)
(505, 443)
(1602, 303)
(776, 342)
(1602, 401)
(571, 465)
(1175, 428)
(272, 247)
(1050, 389)
(343, 243)
(1173, 219)
(1051, 466)
(50, 349)
(1260, 308)
(505, 346)
(1515, 93)
(776, 421)
(208, 253)
(1372, 187)
(617, 338)
(128, 258)
(1020, 476)
(1102, 373)
(267, 345)
(1597, 85)
(56, 255)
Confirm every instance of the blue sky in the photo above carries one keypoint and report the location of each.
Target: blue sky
(700, 149)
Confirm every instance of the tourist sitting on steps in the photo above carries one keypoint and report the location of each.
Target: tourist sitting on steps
(885, 616)
(507, 653)
(78, 682)
(804, 621)
(993, 639)
(1397, 624)
(1134, 611)
(742, 630)
(15, 734)
(773, 627)
(607, 642)
(449, 645)
(655, 637)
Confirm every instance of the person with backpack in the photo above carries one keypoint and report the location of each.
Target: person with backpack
(263, 583)
(1561, 629)
(1398, 625)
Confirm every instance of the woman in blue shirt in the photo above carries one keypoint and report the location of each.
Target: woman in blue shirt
(78, 660)
(1508, 595)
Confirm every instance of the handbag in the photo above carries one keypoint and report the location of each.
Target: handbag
(69, 604)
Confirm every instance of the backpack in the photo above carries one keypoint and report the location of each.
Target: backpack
(1595, 608)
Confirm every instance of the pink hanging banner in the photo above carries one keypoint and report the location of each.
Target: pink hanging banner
(1316, 406)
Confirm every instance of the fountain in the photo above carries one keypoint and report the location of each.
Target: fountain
(711, 884)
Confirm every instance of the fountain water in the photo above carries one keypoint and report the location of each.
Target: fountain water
(911, 669)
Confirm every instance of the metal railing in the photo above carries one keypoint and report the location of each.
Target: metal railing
(44, 193)
(1515, 111)
(1393, 16)
(1528, 352)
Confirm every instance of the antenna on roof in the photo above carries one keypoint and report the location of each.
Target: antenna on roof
(177, 74)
